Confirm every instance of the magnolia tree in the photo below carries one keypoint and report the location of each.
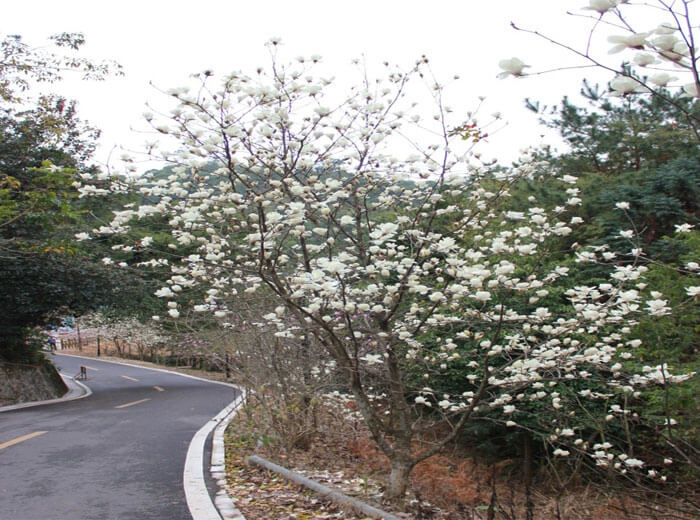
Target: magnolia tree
(386, 246)
(661, 54)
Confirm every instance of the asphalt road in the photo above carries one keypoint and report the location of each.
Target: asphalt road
(117, 454)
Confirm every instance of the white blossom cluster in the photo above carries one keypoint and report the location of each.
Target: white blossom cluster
(657, 53)
(127, 330)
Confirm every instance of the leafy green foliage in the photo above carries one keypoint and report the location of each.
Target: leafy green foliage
(44, 146)
(36, 287)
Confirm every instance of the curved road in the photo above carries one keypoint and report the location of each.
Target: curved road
(117, 454)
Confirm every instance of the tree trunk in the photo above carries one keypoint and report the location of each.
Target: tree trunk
(493, 504)
(527, 475)
(398, 480)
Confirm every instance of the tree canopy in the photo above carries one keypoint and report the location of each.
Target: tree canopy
(43, 144)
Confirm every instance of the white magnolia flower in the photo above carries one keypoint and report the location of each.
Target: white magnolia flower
(333, 267)
(693, 291)
(601, 6)
(633, 463)
(384, 231)
(622, 205)
(662, 79)
(512, 67)
(665, 42)
(164, 292)
(373, 359)
(658, 307)
(174, 313)
(482, 296)
(446, 244)
(644, 59)
(629, 41)
(82, 236)
(623, 85)
(683, 228)
(436, 297)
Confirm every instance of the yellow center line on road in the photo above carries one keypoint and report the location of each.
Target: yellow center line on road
(23, 438)
(130, 378)
(132, 403)
(159, 388)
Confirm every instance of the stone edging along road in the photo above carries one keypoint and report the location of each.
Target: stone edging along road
(198, 500)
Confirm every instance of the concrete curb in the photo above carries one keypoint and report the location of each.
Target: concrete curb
(196, 493)
(224, 502)
(76, 390)
(198, 500)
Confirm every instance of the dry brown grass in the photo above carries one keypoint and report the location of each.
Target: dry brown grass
(445, 487)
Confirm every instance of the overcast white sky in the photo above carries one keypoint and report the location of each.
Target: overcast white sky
(164, 41)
